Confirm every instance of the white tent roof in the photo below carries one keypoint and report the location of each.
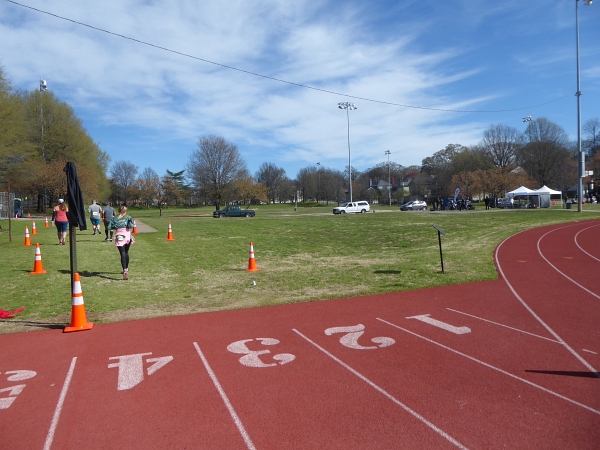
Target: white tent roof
(521, 191)
(546, 189)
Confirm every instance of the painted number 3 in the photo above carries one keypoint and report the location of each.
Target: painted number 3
(251, 358)
(350, 339)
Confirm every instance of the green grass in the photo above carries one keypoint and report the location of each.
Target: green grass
(304, 255)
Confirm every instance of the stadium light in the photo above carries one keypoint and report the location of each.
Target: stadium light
(348, 106)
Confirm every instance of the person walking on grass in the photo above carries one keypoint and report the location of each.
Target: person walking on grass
(123, 224)
(94, 211)
(60, 220)
(108, 212)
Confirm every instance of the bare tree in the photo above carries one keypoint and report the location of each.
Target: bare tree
(546, 146)
(501, 143)
(592, 130)
(124, 175)
(214, 166)
(271, 176)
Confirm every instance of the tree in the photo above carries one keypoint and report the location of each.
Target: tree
(214, 166)
(124, 175)
(271, 176)
(545, 147)
(592, 130)
(501, 143)
(174, 187)
(248, 191)
(149, 186)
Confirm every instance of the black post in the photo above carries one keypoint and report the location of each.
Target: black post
(441, 256)
(73, 252)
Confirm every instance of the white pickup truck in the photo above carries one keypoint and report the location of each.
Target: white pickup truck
(352, 208)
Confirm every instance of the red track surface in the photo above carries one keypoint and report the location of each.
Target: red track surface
(511, 363)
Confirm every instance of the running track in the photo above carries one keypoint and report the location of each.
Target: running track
(511, 363)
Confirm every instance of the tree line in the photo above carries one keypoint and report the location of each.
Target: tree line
(39, 134)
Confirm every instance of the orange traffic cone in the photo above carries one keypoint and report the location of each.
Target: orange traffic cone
(38, 267)
(27, 239)
(33, 230)
(251, 261)
(135, 231)
(47, 225)
(28, 216)
(78, 320)
(170, 234)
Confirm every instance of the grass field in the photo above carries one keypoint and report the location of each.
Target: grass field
(304, 255)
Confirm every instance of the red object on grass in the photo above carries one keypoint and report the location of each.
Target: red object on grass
(9, 314)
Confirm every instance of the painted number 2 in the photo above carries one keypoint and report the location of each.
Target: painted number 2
(350, 339)
(13, 391)
(251, 358)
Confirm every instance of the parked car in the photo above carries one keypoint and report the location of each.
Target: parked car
(352, 208)
(415, 205)
(503, 203)
(233, 211)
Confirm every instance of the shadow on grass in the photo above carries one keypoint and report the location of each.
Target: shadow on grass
(30, 323)
(389, 272)
(88, 274)
(566, 373)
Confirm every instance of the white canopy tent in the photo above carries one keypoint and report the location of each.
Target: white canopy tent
(520, 191)
(546, 190)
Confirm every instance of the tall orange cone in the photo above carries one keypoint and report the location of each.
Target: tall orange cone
(78, 320)
(33, 230)
(38, 267)
(135, 231)
(27, 239)
(170, 234)
(251, 261)
(28, 216)
(47, 225)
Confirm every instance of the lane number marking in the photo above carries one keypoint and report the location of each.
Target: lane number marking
(444, 326)
(350, 339)
(131, 368)
(13, 391)
(251, 358)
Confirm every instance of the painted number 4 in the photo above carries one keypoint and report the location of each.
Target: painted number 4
(251, 358)
(350, 339)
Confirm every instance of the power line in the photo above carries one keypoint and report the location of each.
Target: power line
(279, 80)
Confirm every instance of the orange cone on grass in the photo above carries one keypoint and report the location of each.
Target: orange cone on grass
(38, 267)
(27, 238)
(47, 225)
(33, 230)
(28, 216)
(170, 234)
(251, 261)
(78, 319)
(135, 231)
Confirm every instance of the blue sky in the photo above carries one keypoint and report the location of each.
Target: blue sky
(149, 106)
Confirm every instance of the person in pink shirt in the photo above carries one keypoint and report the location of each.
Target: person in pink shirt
(59, 218)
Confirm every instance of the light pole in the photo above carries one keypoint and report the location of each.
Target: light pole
(581, 165)
(319, 185)
(348, 106)
(387, 152)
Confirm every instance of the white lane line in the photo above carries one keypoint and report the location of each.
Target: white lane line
(59, 405)
(580, 248)
(538, 318)
(494, 368)
(502, 325)
(556, 268)
(385, 393)
(589, 351)
(228, 405)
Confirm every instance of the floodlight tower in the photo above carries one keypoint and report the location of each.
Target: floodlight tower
(581, 165)
(348, 106)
